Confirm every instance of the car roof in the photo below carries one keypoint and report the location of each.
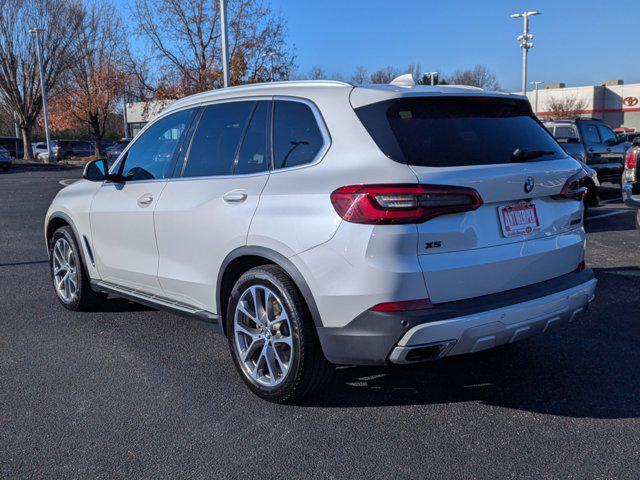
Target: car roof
(362, 94)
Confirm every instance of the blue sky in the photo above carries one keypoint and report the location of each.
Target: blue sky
(578, 42)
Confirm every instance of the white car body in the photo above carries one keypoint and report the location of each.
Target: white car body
(170, 242)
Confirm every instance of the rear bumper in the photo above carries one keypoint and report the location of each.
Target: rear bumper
(608, 172)
(454, 328)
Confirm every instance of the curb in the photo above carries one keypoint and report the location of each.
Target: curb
(44, 166)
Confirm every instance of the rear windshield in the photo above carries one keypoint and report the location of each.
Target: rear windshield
(456, 131)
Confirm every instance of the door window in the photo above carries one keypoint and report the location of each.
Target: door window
(566, 132)
(591, 134)
(608, 136)
(151, 154)
(253, 156)
(297, 139)
(214, 146)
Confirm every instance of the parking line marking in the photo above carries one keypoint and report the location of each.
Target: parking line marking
(611, 200)
(67, 181)
(610, 214)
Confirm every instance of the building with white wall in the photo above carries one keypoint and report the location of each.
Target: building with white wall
(140, 113)
(613, 102)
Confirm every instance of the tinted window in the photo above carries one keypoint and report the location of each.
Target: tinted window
(296, 135)
(591, 134)
(607, 135)
(214, 146)
(253, 153)
(151, 154)
(456, 131)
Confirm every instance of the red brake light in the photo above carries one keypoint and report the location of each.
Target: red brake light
(574, 188)
(404, 306)
(631, 159)
(385, 204)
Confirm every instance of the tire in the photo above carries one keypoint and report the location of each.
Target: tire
(268, 346)
(80, 296)
(67, 156)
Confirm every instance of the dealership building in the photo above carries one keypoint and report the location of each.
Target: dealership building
(613, 102)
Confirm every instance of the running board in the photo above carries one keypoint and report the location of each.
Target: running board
(157, 301)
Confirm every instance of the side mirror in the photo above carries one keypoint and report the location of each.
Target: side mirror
(96, 170)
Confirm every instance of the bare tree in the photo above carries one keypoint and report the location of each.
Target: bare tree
(317, 73)
(360, 76)
(61, 20)
(564, 108)
(478, 76)
(183, 37)
(384, 75)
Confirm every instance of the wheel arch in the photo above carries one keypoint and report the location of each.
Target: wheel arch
(61, 219)
(244, 258)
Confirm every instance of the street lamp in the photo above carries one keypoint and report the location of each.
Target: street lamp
(536, 83)
(432, 77)
(35, 32)
(525, 43)
(225, 46)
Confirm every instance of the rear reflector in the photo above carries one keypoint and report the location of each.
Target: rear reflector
(574, 188)
(384, 204)
(405, 306)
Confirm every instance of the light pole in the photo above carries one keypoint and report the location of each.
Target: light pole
(536, 84)
(525, 43)
(432, 77)
(225, 47)
(270, 55)
(36, 31)
(124, 113)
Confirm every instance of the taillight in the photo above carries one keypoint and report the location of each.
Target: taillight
(574, 187)
(404, 306)
(385, 204)
(631, 159)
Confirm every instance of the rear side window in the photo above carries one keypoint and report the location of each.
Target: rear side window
(215, 143)
(456, 131)
(607, 135)
(297, 139)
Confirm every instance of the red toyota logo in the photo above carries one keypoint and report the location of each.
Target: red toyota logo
(630, 101)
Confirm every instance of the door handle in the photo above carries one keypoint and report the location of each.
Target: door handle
(145, 200)
(235, 196)
(608, 149)
(591, 149)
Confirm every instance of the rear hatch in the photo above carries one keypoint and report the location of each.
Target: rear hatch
(523, 233)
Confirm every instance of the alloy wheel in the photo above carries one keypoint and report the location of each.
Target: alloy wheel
(262, 337)
(65, 273)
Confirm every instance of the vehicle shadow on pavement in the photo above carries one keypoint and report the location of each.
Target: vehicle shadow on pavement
(589, 368)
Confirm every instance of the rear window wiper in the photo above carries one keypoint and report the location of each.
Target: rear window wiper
(520, 155)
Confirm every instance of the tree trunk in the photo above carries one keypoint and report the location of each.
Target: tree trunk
(98, 140)
(26, 140)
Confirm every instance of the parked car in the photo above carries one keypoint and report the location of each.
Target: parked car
(14, 145)
(5, 159)
(593, 142)
(318, 223)
(631, 179)
(114, 151)
(40, 147)
(67, 149)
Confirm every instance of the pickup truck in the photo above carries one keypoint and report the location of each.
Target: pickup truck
(593, 142)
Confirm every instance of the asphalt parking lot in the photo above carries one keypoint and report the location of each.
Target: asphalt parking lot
(134, 392)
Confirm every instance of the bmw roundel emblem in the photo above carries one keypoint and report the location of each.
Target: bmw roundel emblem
(528, 184)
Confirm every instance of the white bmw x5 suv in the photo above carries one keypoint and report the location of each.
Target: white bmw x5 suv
(318, 223)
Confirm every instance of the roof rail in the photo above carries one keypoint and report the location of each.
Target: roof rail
(468, 87)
